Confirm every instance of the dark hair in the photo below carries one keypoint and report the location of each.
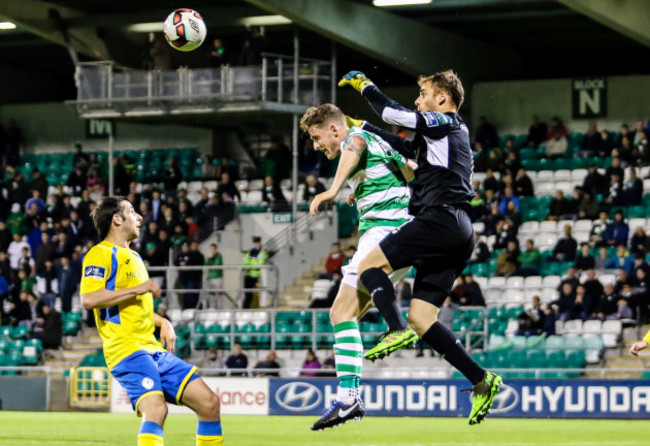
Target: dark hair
(449, 82)
(103, 214)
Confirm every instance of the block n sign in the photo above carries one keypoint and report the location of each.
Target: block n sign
(589, 98)
(99, 128)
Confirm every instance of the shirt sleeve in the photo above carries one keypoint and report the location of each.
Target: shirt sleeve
(432, 124)
(95, 271)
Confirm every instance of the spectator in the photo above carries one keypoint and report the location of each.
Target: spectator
(591, 143)
(255, 257)
(558, 206)
(15, 250)
(550, 316)
(566, 301)
(215, 278)
(5, 236)
(329, 364)
(608, 304)
(633, 190)
(571, 277)
(536, 133)
(77, 181)
(588, 207)
(615, 168)
(311, 363)
(584, 259)
(348, 253)
(531, 320)
(565, 248)
(212, 361)
(333, 290)
(530, 260)
(594, 182)
(45, 251)
(638, 241)
(13, 143)
(617, 231)
(188, 279)
(507, 260)
(481, 253)
(556, 146)
(616, 195)
(621, 259)
(403, 293)
(272, 195)
(598, 229)
(121, 178)
(508, 198)
(624, 133)
(313, 187)
(334, 260)
(606, 144)
(50, 330)
(80, 160)
(39, 183)
(486, 134)
(67, 280)
(171, 176)
(523, 185)
(269, 363)
(470, 292)
(237, 361)
(36, 200)
(640, 133)
(47, 284)
(490, 182)
(226, 191)
(26, 262)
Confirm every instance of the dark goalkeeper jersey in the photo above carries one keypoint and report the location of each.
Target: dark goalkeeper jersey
(441, 147)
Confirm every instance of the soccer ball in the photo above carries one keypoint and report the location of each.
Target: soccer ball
(185, 29)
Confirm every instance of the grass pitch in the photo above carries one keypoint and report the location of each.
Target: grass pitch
(84, 429)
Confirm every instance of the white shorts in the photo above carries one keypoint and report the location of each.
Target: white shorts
(368, 241)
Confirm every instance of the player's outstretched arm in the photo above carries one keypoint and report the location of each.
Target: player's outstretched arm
(388, 109)
(350, 156)
(104, 298)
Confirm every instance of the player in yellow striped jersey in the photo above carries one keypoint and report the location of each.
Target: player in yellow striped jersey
(116, 286)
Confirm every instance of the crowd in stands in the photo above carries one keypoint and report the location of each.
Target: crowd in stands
(607, 192)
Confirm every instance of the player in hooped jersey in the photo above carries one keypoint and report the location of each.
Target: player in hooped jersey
(371, 168)
(440, 238)
(116, 286)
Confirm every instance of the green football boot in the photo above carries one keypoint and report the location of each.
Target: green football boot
(390, 342)
(484, 393)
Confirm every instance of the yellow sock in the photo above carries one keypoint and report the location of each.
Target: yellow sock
(208, 440)
(150, 434)
(150, 440)
(208, 433)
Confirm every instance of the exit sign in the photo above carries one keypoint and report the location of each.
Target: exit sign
(282, 218)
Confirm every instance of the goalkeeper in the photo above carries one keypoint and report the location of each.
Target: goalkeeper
(440, 238)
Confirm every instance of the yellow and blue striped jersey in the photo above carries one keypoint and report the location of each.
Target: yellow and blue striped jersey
(127, 327)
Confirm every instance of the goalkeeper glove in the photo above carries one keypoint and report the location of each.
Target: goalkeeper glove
(356, 79)
(351, 122)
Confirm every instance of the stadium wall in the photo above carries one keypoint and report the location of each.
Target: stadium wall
(510, 105)
(54, 127)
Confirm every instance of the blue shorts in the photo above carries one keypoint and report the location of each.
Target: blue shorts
(142, 374)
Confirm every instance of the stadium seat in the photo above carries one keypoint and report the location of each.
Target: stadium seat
(533, 282)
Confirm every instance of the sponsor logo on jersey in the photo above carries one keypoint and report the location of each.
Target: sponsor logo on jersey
(430, 118)
(94, 271)
(298, 396)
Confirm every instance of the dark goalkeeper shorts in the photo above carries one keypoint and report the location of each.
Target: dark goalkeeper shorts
(438, 244)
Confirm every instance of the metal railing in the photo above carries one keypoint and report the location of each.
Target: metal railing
(234, 295)
(106, 86)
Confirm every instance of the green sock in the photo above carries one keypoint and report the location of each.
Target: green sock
(348, 353)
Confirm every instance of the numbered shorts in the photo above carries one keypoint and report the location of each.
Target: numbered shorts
(368, 241)
(142, 374)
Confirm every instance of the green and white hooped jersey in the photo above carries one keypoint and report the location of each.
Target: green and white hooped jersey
(382, 196)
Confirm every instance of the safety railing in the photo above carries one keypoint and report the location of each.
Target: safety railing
(104, 85)
(168, 276)
(90, 387)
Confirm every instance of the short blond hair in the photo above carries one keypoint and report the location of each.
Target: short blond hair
(447, 81)
(318, 116)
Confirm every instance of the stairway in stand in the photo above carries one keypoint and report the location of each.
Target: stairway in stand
(297, 295)
(73, 351)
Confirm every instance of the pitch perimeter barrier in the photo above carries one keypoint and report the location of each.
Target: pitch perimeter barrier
(627, 399)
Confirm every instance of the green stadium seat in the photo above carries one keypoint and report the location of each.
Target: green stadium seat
(16, 346)
(211, 341)
(635, 212)
(70, 328)
(263, 342)
(5, 332)
(20, 332)
(4, 345)
(536, 359)
(199, 341)
(216, 328)
(535, 341)
(36, 343)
